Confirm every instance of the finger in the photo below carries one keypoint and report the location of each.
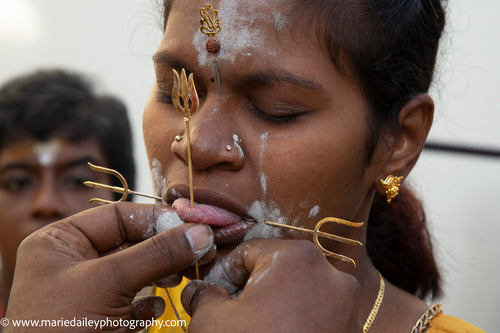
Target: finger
(162, 255)
(146, 308)
(175, 279)
(108, 228)
(259, 256)
(198, 293)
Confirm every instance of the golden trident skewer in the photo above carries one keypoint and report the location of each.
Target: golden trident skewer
(317, 233)
(185, 100)
(125, 191)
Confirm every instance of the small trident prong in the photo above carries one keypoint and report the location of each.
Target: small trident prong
(317, 233)
(125, 191)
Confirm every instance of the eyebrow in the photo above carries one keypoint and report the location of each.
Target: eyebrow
(268, 77)
(28, 167)
(272, 77)
(166, 59)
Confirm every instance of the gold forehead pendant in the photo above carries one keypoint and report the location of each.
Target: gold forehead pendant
(211, 26)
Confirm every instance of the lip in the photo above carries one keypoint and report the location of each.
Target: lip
(223, 234)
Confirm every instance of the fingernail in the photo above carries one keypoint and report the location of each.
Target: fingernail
(200, 239)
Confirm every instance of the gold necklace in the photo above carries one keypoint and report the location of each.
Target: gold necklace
(376, 306)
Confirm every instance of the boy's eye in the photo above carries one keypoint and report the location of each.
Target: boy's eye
(17, 184)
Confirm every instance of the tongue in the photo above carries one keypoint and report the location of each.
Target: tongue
(205, 214)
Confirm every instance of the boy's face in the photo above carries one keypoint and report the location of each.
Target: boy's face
(42, 182)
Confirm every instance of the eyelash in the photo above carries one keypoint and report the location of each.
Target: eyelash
(276, 119)
(162, 96)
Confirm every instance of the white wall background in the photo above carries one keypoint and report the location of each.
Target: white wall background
(113, 41)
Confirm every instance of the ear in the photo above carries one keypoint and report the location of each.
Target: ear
(415, 120)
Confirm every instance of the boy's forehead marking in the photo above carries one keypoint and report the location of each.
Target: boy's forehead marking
(47, 151)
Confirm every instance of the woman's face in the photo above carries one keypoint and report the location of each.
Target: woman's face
(284, 140)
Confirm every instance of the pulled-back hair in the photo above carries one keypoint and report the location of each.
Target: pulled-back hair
(389, 48)
(62, 104)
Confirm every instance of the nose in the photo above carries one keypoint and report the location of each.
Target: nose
(48, 202)
(214, 143)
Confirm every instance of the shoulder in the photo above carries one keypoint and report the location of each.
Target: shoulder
(447, 324)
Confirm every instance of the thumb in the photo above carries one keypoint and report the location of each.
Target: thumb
(198, 293)
(162, 255)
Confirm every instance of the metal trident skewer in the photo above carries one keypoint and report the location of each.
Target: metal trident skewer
(185, 101)
(125, 191)
(317, 233)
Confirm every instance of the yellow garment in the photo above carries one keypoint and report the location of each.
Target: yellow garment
(447, 324)
(440, 324)
(170, 312)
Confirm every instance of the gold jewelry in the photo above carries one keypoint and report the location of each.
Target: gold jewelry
(317, 233)
(423, 322)
(185, 100)
(125, 191)
(391, 185)
(210, 26)
(229, 148)
(376, 306)
(178, 138)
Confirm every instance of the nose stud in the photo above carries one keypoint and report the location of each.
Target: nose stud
(229, 148)
(178, 138)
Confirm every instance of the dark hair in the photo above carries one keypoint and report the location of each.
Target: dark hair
(59, 103)
(389, 48)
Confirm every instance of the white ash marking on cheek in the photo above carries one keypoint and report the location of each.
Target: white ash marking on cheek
(236, 142)
(167, 220)
(314, 211)
(261, 212)
(263, 147)
(263, 183)
(159, 184)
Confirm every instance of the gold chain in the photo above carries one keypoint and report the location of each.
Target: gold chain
(423, 322)
(376, 306)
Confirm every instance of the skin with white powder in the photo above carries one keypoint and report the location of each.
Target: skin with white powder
(159, 186)
(47, 151)
(239, 36)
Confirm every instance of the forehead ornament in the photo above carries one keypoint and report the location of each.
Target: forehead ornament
(210, 26)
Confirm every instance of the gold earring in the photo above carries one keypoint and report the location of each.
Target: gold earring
(391, 185)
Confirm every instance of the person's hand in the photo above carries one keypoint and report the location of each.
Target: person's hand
(91, 265)
(278, 286)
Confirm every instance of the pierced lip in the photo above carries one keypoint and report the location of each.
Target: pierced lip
(207, 197)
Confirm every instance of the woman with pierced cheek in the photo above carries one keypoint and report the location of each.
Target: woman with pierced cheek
(294, 139)
(307, 112)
